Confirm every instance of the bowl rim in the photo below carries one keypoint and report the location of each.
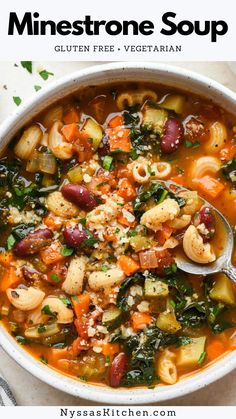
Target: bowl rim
(50, 376)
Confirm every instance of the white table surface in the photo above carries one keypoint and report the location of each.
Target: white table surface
(29, 391)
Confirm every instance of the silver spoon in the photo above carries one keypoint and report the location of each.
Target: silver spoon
(223, 262)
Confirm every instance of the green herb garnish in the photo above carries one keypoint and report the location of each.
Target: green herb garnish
(17, 100)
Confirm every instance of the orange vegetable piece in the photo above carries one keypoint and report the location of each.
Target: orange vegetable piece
(56, 354)
(209, 186)
(52, 221)
(116, 121)
(71, 132)
(127, 190)
(9, 279)
(123, 220)
(128, 265)
(164, 234)
(71, 116)
(119, 139)
(52, 254)
(214, 349)
(110, 349)
(81, 304)
(78, 345)
(140, 320)
(6, 258)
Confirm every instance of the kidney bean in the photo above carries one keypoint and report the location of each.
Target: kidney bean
(74, 237)
(104, 149)
(207, 217)
(80, 196)
(117, 369)
(33, 242)
(173, 134)
(31, 274)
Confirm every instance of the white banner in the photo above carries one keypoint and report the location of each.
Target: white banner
(39, 412)
(88, 30)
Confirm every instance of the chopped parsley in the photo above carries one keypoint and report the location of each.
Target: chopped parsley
(41, 328)
(17, 100)
(37, 87)
(46, 310)
(27, 65)
(10, 242)
(43, 360)
(65, 301)
(190, 144)
(66, 251)
(201, 358)
(55, 278)
(45, 74)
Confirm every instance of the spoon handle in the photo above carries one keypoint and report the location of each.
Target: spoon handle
(230, 271)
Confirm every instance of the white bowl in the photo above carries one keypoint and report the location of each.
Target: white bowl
(98, 75)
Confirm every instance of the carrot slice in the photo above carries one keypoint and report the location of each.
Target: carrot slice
(52, 254)
(110, 349)
(127, 190)
(56, 354)
(71, 132)
(119, 139)
(81, 304)
(209, 186)
(214, 349)
(128, 265)
(9, 279)
(71, 116)
(140, 320)
(123, 220)
(163, 234)
(116, 121)
(6, 258)
(52, 222)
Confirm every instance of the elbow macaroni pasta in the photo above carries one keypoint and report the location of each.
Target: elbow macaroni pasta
(218, 137)
(133, 97)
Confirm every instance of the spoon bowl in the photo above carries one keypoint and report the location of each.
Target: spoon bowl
(223, 261)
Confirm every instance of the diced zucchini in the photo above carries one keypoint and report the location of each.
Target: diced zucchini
(222, 290)
(167, 322)
(75, 175)
(173, 103)
(139, 243)
(38, 332)
(189, 355)
(94, 131)
(155, 288)
(154, 119)
(111, 317)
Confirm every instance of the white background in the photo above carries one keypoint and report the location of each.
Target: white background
(27, 389)
(193, 47)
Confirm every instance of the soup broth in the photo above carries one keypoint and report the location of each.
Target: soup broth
(88, 279)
